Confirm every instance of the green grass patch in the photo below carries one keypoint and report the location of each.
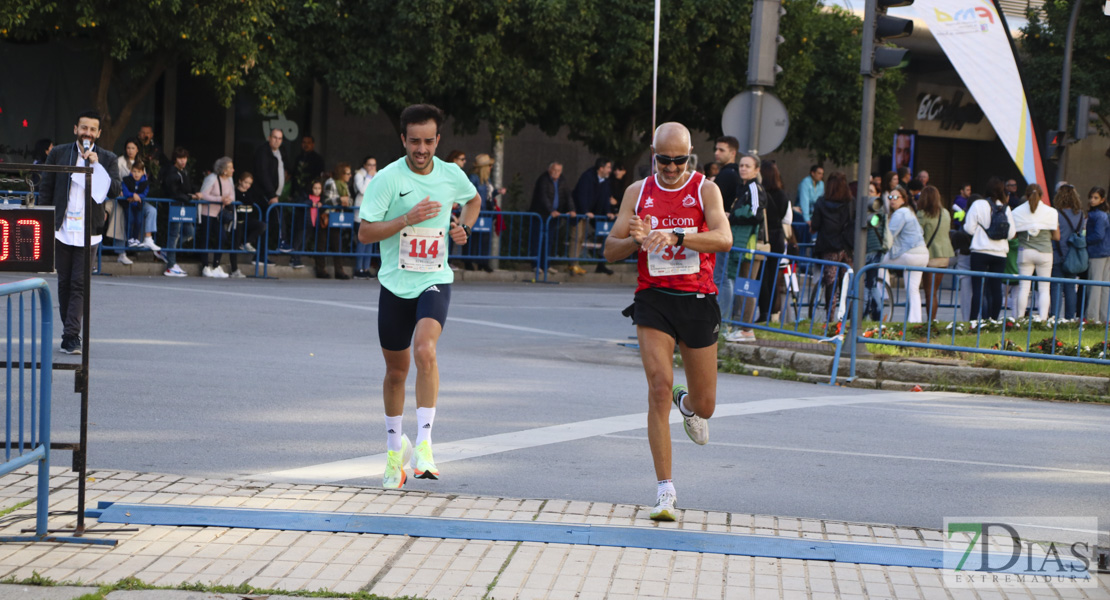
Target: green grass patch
(131, 583)
(10, 510)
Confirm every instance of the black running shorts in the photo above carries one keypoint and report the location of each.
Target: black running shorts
(397, 317)
(694, 319)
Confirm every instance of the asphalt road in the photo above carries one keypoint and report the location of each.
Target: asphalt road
(281, 380)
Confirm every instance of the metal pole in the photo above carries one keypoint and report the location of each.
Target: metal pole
(83, 374)
(655, 73)
(756, 118)
(867, 130)
(1065, 92)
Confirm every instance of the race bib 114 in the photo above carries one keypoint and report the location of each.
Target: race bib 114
(422, 249)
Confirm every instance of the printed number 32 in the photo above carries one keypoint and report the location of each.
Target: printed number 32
(670, 253)
(420, 249)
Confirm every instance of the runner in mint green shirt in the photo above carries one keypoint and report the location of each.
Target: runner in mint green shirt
(408, 209)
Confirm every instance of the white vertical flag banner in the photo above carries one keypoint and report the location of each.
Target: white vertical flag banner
(974, 39)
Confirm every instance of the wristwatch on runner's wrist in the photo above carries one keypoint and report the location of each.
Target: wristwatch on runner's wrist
(466, 230)
(681, 233)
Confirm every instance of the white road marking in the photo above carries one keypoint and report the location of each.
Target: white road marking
(365, 307)
(977, 463)
(372, 466)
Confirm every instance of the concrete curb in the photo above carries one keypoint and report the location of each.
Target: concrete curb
(903, 374)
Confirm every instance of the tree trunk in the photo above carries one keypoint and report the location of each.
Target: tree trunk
(112, 127)
(497, 177)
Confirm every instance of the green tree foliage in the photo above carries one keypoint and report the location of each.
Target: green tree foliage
(582, 65)
(230, 43)
(828, 123)
(703, 64)
(1042, 48)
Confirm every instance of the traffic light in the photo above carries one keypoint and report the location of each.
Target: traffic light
(875, 56)
(1054, 144)
(765, 40)
(1085, 116)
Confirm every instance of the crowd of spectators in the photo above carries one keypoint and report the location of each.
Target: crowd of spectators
(909, 223)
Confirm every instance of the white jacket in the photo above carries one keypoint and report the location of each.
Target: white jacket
(976, 223)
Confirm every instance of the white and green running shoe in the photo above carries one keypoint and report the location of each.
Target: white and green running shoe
(395, 461)
(423, 467)
(696, 427)
(664, 507)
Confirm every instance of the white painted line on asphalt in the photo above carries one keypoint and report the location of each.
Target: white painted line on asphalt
(978, 463)
(372, 466)
(365, 307)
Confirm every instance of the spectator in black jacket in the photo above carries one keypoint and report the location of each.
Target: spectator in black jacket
(269, 180)
(179, 187)
(308, 167)
(728, 177)
(70, 219)
(776, 209)
(591, 198)
(833, 223)
(551, 197)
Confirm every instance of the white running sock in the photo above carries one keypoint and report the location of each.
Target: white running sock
(424, 418)
(666, 485)
(683, 408)
(393, 432)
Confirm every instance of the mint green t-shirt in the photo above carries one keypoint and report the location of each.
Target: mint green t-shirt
(392, 193)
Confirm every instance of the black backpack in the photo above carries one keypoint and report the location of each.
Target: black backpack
(1000, 226)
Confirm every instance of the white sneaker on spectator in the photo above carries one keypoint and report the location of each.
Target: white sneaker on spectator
(247, 246)
(206, 272)
(237, 274)
(219, 273)
(133, 243)
(160, 256)
(149, 243)
(740, 337)
(123, 260)
(175, 271)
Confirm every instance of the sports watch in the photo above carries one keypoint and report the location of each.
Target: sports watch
(681, 233)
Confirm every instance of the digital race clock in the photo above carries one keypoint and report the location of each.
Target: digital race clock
(27, 240)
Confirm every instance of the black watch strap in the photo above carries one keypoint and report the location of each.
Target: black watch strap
(681, 237)
(466, 229)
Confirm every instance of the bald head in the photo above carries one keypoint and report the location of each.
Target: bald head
(672, 139)
(672, 149)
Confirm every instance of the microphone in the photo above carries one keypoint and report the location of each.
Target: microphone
(86, 145)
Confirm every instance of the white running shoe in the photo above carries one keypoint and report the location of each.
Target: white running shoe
(207, 272)
(123, 260)
(149, 243)
(175, 271)
(395, 461)
(664, 507)
(219, 273)
(133, 243)
(696, 427)
(237, 274)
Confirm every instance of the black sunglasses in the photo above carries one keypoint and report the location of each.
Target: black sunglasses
(664, 160)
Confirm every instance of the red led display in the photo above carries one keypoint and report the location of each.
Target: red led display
(27, 240)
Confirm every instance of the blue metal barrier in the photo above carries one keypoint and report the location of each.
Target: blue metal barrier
(209, 235)
(796, 287)
(30, 442)
(24, 197)
(1050, 348)
(576, 239)
(514, 232)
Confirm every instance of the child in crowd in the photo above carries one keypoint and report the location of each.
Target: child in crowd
(318, 236)
(141, 216)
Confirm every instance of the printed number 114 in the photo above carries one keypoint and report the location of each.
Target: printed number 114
(420, 249)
